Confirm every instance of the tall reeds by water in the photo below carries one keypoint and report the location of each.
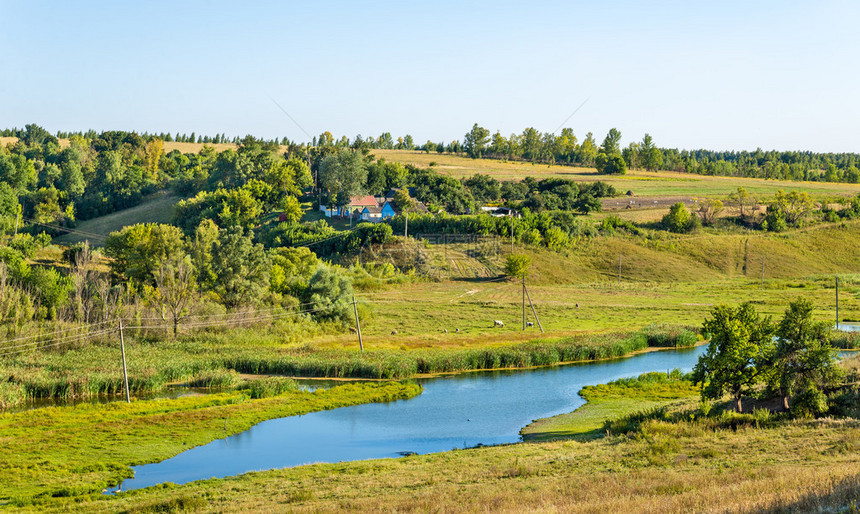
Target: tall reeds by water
(206, 361)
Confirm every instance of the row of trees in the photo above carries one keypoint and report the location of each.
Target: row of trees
(750, 355)
(564, 148)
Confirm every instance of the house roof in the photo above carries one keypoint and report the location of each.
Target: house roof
(373, 209)
(363, 201)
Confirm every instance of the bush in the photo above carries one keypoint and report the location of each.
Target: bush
(810, 403)
(679, 220)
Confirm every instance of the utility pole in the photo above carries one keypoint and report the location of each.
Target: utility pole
(124, 369)
(534, 311)
(357, 325)
(524, 301)
(837, 303)
(512, 231)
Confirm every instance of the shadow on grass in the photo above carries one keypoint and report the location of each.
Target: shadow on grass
(497, 278)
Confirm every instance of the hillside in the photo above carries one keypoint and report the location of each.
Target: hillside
(642, 183)
(157, 208)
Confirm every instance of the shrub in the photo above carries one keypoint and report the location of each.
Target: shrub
(679, 219)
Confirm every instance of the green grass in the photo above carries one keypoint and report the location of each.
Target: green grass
(679, 467)
(80, 450)
(609, 401)
(156, 208)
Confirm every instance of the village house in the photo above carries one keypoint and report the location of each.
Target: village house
(369, 208)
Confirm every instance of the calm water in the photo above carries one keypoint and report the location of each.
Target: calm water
(452, 412)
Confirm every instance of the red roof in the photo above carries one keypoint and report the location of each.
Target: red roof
(363, 201)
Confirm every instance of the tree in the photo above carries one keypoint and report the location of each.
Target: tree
(802, 361)
(475, 141)
(344, 175)
(650, 156)
(328, 295)
(739, 339)
(138, 250)
(609, 159)
(517, 265)
(709, 209)
(744, 203)
(632, 155)
(241, 268)
(175, 287)
(402, 202)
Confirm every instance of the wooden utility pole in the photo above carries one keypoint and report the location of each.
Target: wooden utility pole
(357, 325)
(124, 369)
(837, 303)
(533, 309)
(524, 301)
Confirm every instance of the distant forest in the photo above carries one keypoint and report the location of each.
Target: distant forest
(532, 145)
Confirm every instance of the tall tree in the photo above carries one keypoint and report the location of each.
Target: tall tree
(802, 361)
(344, 175)
(174, 291)
(739, 339)
(241, 268)
(650, 156)
(475, 141)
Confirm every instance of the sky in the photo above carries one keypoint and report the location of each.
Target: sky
(728, 75)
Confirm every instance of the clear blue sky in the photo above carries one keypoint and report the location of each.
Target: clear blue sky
(722, 75)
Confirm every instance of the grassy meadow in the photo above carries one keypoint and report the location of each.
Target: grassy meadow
(81, 450)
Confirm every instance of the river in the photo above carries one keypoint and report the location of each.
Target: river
(455, 411)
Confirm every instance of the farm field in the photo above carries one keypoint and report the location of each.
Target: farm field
(642, 183)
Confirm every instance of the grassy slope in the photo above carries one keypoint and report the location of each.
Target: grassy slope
(157, 208)
(675, 281)
(642, 183)
(82, 449)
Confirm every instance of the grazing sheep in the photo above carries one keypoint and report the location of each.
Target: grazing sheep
(498, 323)
(394, 332)
(445, 331)
(530, 324)
(457, 330)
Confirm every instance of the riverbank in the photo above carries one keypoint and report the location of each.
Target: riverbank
(81, 450)
(609, 401)
(674, 469)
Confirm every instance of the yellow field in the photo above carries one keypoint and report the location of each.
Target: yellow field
(642, 183)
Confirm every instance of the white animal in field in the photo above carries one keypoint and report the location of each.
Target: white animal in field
(529, 324)
(498, 323)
